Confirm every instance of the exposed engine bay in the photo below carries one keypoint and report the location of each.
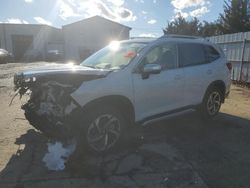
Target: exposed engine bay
(50, 108)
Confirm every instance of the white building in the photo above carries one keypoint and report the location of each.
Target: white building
(87, 36)
(76, 41)
(29, 39)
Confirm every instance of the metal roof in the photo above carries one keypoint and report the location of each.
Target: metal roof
(96, 18)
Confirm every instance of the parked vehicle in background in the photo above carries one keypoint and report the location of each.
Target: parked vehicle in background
(54, 55)
(5, 56)
(126, 83)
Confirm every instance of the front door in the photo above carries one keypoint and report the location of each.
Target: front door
(163, 92)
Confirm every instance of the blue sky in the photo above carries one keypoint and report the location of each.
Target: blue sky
(146, 17)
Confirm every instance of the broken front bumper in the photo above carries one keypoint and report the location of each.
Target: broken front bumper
(42, 124)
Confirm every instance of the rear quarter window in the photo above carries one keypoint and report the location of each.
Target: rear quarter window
(191, 54)
(212, 53)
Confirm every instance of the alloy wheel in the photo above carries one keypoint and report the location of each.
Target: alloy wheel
(103, 132)
(214, 103)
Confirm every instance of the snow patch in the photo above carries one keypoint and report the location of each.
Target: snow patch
(57, 155)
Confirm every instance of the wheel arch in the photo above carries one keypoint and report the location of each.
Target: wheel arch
(120, 102)
(217, 84)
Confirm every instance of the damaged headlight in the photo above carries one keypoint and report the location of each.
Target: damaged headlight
(20, 80)
(32, 79)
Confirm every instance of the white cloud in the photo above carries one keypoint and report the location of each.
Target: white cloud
(41, 20)
(199, 12)
(154, 1)
(121, 14)
(182, 4)
(152, 21)
(66, 11)
(195, 13)
(111, 9)
(201, 8)
(16, 21)
(144, 12)
(147, 35)
(116, 2)
(28, 1)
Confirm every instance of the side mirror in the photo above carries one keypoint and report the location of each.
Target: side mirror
(150, 69)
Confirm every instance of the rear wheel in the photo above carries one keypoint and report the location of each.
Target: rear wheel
(104, 130)
(211, 103)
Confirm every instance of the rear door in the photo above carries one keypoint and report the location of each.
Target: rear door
(197, 69)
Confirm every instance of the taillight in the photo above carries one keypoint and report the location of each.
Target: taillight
(229, 66)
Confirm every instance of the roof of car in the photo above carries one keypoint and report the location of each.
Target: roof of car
(174, 38)
(141, 40)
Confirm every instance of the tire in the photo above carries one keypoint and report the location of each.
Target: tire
(211, 103)
(104, 129)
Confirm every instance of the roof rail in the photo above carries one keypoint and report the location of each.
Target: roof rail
(180, 36)
(142, 38)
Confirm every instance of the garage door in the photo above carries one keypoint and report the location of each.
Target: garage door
(21, 43)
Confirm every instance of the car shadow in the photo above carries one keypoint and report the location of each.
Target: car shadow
(22, 161)
(26, 164)
(218, 150)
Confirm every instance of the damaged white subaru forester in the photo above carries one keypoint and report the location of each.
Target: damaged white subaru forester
(126, 83)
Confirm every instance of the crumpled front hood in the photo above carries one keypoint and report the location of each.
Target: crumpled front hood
(62, 73)
(54, 69)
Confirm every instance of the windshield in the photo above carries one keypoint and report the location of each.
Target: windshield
(115, 56)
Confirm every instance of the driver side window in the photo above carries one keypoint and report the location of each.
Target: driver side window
(165, 55)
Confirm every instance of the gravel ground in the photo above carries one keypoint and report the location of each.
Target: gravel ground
(179, 152)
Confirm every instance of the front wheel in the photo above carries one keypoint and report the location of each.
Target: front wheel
(211, 103)
(104, 129)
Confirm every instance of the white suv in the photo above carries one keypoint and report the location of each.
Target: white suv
(127, 82)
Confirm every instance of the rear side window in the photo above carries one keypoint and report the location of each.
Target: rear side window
(191, 54)
(212, 53)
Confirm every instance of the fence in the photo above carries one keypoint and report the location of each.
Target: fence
(237, 49)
